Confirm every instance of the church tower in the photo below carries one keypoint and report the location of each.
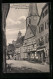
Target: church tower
(33, 11)
(33, 15)
(19, 34)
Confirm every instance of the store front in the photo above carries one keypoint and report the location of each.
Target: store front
(41, 53)
(31, 55)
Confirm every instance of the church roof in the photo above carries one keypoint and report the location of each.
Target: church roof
(33, 29)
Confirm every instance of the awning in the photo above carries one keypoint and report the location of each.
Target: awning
(41, 48)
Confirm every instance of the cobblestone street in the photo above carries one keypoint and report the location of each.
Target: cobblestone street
(26, 66)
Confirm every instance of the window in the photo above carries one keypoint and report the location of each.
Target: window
(38, 41)
(41, 28)
(45, 13)
(33, 45)
(47, 38)
(28, 25)
(41, 38)
(30, 33)
(25, 43)
(41, 41)
(25, 49)
(47, 24)
(29, 41)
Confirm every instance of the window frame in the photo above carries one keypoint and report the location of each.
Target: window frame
(47, 38)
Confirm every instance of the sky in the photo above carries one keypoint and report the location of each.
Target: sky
(16, 21)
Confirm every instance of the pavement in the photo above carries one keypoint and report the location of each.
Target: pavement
(27, 64)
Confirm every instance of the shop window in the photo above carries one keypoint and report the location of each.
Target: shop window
(40, 41)
(35, 54)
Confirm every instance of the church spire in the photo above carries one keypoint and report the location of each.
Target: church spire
(33, 9)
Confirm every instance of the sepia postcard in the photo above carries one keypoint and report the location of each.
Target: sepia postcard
(25, 29)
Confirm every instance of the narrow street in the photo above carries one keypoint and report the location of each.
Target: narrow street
(26, 67)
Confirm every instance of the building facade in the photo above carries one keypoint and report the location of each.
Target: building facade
(13, 42)
(36, 41)
(10, 51)
(43, 35)
(18, 47)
